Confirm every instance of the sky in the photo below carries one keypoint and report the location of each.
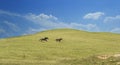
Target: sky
(22, 17)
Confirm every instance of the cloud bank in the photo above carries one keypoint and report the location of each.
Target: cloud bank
(51, 22)
(40, 22)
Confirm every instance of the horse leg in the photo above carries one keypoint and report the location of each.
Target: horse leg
(41, 40)
(46, 40)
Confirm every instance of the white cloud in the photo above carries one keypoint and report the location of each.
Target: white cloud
(88, 27)
(33, 30)
(8, 13)
(94, 16)
(12, 26)
(47, 17)
(48, 21)
(40, 18)
(2, 31)
(116, 30)
(112, 19)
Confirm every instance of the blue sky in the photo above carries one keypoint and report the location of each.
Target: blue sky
(21, 17)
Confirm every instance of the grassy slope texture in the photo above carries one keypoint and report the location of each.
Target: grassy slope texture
(77, 48)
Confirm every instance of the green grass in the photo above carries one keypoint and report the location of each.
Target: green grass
(77, 48)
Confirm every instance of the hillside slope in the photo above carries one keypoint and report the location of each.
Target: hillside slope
(28, 50)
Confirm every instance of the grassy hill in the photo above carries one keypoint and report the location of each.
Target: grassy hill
(77, 48)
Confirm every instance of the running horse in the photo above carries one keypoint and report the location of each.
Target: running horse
(44, 39)
(59, 40)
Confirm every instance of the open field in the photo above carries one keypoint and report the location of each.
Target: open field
(77, 48)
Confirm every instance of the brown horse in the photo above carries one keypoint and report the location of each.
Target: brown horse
(59, 40)
(44, 39)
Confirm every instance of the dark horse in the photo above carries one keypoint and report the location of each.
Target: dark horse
(44, 39)
(59, 40)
